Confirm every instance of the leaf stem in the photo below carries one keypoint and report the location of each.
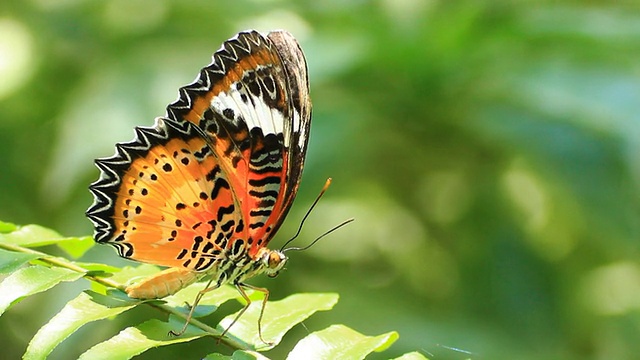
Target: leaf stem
(64, 263)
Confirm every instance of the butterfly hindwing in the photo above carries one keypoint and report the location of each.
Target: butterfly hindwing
(172, 206)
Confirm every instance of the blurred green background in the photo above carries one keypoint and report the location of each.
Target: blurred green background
(489, 151)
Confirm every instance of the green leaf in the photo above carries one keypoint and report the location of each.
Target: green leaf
(412, 356)
(36, 235)
(128, 275)
(238, 355)
(98, 268)
(11, 260)
(7, 227)
(135, 340)
(217, 357)
(87, 307)
(279, 317)
(340, 342)
(209, 302)
(32, 236)
(76, 247)
(31, 280)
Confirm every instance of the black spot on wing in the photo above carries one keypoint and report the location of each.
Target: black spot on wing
(219, 185)
(225, 210)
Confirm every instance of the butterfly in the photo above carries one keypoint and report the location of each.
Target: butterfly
(206, 188)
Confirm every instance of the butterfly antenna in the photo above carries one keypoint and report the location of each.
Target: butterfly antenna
(321, 236)
(324, 188)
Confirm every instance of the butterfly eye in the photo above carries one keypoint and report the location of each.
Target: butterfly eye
(275, 259)
(274, 262)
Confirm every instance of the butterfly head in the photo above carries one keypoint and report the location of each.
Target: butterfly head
(273, 261)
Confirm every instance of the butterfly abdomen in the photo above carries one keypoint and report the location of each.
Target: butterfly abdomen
(164, 283)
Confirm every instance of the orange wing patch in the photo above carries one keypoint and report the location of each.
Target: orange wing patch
(174, 206)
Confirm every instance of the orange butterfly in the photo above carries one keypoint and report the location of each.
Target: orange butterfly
(206, 188)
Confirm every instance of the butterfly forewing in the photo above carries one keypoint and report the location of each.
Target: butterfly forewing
(296, 130)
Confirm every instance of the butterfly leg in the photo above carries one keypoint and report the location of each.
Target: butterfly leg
(240, 287)
(201, 293)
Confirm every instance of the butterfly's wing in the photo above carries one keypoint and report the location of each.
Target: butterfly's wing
(296, 130)
(221, 171)
(163, 198)
(253, 103)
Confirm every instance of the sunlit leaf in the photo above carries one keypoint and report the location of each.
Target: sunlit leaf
(135, 340)
(11, 260)
(100, 270)
(87, 307)
(129, 274)
(209, 302)
(32, 236)
(32, 280)
(7, 227)
(340, 342)
(412, 356)
(217, 357)
(238, 355)
(95, 267)
(279, 317)
(76, 247)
